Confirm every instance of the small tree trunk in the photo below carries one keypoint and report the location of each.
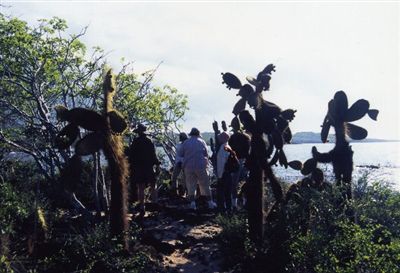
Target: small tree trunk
(105, 203)
(96, 183)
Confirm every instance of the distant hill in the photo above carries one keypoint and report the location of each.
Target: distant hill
(312, 137)
(307, 137)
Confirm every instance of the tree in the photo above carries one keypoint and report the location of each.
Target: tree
(43, 66)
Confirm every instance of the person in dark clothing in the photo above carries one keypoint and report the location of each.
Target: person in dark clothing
(240, 143)
(142, 159)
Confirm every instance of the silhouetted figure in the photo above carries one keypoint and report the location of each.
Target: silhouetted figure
(195, 162)
(142, 157)
(240, 143)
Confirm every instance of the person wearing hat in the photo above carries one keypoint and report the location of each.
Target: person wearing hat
(178, 166)
(142, 159)
(195, 162)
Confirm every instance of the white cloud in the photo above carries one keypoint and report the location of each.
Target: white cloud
(317, 48)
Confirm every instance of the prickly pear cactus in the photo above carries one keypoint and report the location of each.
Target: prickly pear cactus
(114, 152)
(269, 132)
(104, 133)
(339, 116)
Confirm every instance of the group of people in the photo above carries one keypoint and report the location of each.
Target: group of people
(192, 161)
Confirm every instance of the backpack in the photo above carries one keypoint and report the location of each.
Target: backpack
(232, 164)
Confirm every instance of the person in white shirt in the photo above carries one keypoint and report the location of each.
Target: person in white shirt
(224, 183)
(178, 166)
(195, 162)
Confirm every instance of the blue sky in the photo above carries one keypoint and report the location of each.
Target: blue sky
(318, 48)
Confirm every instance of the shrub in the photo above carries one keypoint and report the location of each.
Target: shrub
(92, 251)
(320, 237)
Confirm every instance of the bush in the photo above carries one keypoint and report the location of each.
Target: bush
(92, 251)
(234, 242)
(318, 235)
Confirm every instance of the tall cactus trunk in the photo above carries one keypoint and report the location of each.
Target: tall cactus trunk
(342, 161)
(256, 189)
(118, 164)
(256, 204)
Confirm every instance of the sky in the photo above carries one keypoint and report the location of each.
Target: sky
(317, 48)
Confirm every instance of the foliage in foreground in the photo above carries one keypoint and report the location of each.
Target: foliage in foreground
(37, 236)
(330, 243)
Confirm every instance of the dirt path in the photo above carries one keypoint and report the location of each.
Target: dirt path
(185, 239)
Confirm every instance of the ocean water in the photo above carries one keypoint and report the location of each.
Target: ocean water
(381, 160)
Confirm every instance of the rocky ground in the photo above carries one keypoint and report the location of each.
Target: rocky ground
(184, 240)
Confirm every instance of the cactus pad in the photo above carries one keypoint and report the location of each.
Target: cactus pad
(373, 114)
(356, 132)
(87, 119)
(340, 104)
(245, 91)
(248, 121)
(317, 175)
(223, 125)
(309, 166)
(253, 81)
(287, 135)
(66, 136)
(288, 114)
(231, 81)
(117, 122)
(277, 139)
(357, 110)
(235, 123)
(283, 159)
(61, 112)
(239, 106)
(90, 144)
(254, 100)
(296, 165)
(325, 130)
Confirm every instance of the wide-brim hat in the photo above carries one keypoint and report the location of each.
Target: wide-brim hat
(194, 132)
(140, 128)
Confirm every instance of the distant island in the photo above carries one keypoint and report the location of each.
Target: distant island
(308, 137)
(312, 137)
